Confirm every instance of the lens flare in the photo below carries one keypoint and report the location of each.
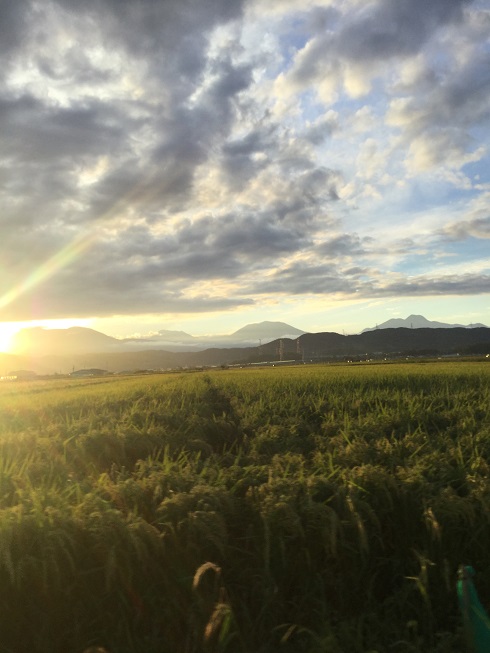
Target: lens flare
(47, 269)
(142, 192)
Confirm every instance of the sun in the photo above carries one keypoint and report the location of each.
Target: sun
(7, 331)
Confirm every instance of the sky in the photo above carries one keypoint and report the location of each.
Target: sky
(205, 164)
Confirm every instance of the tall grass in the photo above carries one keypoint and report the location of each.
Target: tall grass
(303, 509)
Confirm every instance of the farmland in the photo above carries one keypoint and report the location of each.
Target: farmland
(307, 509)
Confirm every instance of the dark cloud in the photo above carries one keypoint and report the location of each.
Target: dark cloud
(376, 32)
(459, 100)
(151, 27)
(465, 284)
(476, 228)
(243, 158)
(34, 131)
(44, 150)
(13, 24)
(255, 141)
(321, 129)
(158, 173)
(306, 193)
(311, 279)
(306, 279)
(344, 245)
(138, 271)
(195, 251)
(73, 301)
(74, 67)
(187, 137)
(395, 27)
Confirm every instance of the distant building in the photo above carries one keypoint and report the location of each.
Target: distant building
(19, 375)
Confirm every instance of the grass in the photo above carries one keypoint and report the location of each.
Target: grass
(315, 509)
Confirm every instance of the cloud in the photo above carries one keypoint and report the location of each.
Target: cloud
(363, 283)
(476, 228)
(437, 123)
(365, 38)
(465, 284)
(208, 154)
(344, 245)
(36, 132)
(13, 24)
(304, 278)
(395, 27)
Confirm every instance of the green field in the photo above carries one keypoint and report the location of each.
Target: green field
(320, 509)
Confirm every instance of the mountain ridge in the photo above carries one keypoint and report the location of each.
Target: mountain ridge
(263, 330)
(62, 350)
(83, 340)
(309, 347)
(419, 322)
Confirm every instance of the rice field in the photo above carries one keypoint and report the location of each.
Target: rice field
(320, 509)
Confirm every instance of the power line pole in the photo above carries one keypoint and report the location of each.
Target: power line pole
(281, 350)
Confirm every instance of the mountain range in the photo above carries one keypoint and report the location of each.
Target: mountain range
(249, 334)
(64, 350)
(419, 322)
(81, 340)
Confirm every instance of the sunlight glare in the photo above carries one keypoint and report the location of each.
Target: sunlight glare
(9, 329)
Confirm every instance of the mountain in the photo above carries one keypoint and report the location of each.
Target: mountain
(37, 341)
(419, 322)
(48, 342)
(381, 343)
(163, 336)
(174, 336)
(265, 331)
(179, 341)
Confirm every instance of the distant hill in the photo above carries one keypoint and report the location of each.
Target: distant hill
(37, 341)
(384, 342)
(76, 341)
(265, 331)
(251, 334)
(417, 342)
(174, 336)
(163, 336)
(419, 322)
